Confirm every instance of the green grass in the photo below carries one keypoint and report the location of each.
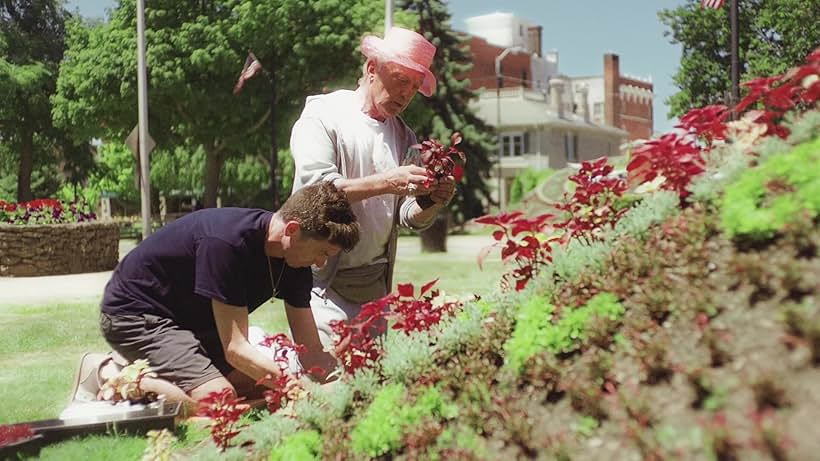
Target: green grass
(41, 347)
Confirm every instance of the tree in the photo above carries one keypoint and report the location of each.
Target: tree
(446, 111)
(31, 47)
(194, 53)
(774, 35)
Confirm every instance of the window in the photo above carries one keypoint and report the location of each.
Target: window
(512, 144)
(571, 147)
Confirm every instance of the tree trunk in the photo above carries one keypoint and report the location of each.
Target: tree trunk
(434, 239)
(26, 165)
(213, 167)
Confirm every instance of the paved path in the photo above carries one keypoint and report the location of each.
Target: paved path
(89, 287)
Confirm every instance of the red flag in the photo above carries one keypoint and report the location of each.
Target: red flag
(711, 3)
(252, 67)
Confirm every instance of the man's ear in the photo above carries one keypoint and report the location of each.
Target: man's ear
(371, 67)
(292, 228)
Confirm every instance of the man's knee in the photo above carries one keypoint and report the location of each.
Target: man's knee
(214, 385)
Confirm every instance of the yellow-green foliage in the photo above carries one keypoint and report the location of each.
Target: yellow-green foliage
(536, 330)
(749, 208)
(384, 422)
(301, 446)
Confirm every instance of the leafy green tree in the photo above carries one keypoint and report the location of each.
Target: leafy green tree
(194, 53)
(31, 47)
(447, 110)
(773, 36)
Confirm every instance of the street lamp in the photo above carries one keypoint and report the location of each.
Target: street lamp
(498, 82)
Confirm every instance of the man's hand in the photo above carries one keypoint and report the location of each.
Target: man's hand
(323, 360)
(443, 190)
(407, 180)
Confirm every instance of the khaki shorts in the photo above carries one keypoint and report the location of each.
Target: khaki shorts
(174, 353)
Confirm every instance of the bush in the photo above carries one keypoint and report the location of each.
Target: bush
(767, 198)
(526, 181)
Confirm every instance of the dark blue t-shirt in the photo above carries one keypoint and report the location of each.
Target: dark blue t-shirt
(216, 253)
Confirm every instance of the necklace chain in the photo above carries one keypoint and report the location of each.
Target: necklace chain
(275, 286)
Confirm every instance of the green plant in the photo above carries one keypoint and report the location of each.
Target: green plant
(301, 446)
(586, 426)
(380, 430)
(535, 331)
(766, 199)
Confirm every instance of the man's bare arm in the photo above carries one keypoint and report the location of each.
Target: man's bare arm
(303, 326)
(232, 326)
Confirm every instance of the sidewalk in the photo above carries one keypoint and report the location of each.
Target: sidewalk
(89, 287)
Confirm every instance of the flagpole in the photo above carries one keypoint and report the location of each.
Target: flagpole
(274, 152)
(733, 21)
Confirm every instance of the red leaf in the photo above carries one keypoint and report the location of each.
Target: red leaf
(406, 290)
(458, 173)
(427, 286)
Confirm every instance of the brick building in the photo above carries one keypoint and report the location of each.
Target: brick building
(613, 99)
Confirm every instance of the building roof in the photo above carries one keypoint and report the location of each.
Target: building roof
(527, 108)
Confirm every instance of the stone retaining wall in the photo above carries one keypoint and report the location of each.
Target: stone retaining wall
(54, 249)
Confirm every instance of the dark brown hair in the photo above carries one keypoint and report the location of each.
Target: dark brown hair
(323, 213)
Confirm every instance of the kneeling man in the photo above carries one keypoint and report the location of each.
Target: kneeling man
(181, 298)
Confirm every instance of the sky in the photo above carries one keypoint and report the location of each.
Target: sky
(582, 31)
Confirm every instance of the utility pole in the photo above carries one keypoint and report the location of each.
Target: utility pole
(142, 108)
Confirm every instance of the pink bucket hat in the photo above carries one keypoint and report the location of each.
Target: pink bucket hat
(406, 48)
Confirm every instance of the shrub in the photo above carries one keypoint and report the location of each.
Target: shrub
(766, 199)
(527, 180)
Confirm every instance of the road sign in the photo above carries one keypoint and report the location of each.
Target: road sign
(132, 141)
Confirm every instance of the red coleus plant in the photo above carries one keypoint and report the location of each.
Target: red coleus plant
(775, 96)
(224, 409)
(592, 206)
(679, 158)
(675, 158)
(285, 386)
(525, 242)
(357, 341)
(443, 161)
(15, 433)
(418, 313)
(706, 123)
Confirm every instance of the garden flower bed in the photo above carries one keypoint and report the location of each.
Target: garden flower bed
(48, 237)
(682, 325)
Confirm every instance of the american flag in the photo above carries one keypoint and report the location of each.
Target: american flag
(252, 67)
(711, 3)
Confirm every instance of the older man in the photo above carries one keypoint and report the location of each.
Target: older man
(357, 140)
